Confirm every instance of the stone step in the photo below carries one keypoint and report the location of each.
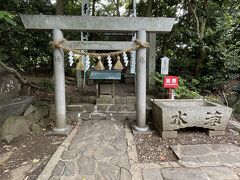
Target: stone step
(105, 101)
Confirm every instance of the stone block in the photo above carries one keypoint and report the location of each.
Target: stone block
(92, 99)
(89, 107)
(108, 170)
(30, 109)
(152, 174)
(218, 148)
(120, 100)
(121, 161)
(102, 108)
(69, 154)
(75, 107)
(190, 150)
(131, 100)
(104, 151)
(69, 168)
(183, 174)
(75, 99)
(98, 116)
(170, 115)
(220, 173)
(13, 127)
(85, 116)
(116, 108)
(105, 101)
(125, 174)
(131, 107)
(227, 158)
(86, 165)
(33, 117)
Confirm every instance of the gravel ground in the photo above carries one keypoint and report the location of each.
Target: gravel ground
(153, 148)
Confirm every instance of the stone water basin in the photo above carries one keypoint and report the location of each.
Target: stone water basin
(171, 115)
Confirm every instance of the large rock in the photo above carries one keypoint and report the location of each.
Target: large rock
(14, 107)
(52, 112)
(9, 86)
(13, 127)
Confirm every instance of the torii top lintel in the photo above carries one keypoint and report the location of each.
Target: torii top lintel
(98, 23)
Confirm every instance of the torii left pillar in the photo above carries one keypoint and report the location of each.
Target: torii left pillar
(141, 84)
(59, 80)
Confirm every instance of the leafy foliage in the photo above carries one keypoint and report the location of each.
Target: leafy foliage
(203, 45)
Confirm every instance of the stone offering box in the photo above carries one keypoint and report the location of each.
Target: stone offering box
(171, 115)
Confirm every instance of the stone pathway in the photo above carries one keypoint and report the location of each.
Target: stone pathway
(208, 155)
(98, 151)
(105, 150)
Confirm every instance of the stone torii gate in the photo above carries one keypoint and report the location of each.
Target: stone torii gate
(141, 25)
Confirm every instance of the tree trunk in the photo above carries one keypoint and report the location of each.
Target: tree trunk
(117, 6)
(93, 7)
(200, 63)
(149, 8)
(200, 29)
(60, 7)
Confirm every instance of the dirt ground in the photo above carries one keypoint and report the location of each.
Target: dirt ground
(26, 156)
(153, 148)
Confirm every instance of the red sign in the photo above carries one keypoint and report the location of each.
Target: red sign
(170, 82)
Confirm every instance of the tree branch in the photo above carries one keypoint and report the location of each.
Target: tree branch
(193, 10)
(15, 73)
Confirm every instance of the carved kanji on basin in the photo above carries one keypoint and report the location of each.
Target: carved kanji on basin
(171, 115)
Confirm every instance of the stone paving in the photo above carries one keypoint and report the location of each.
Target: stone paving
(105, 150)
(98, 151)
(208, 155)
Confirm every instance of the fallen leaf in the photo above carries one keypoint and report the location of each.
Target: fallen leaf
(36, 160)
(55, 143)
(24, 163)
(162, 158)
(7, 170)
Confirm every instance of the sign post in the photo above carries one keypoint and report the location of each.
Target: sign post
(170, 82)
(164, 65)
